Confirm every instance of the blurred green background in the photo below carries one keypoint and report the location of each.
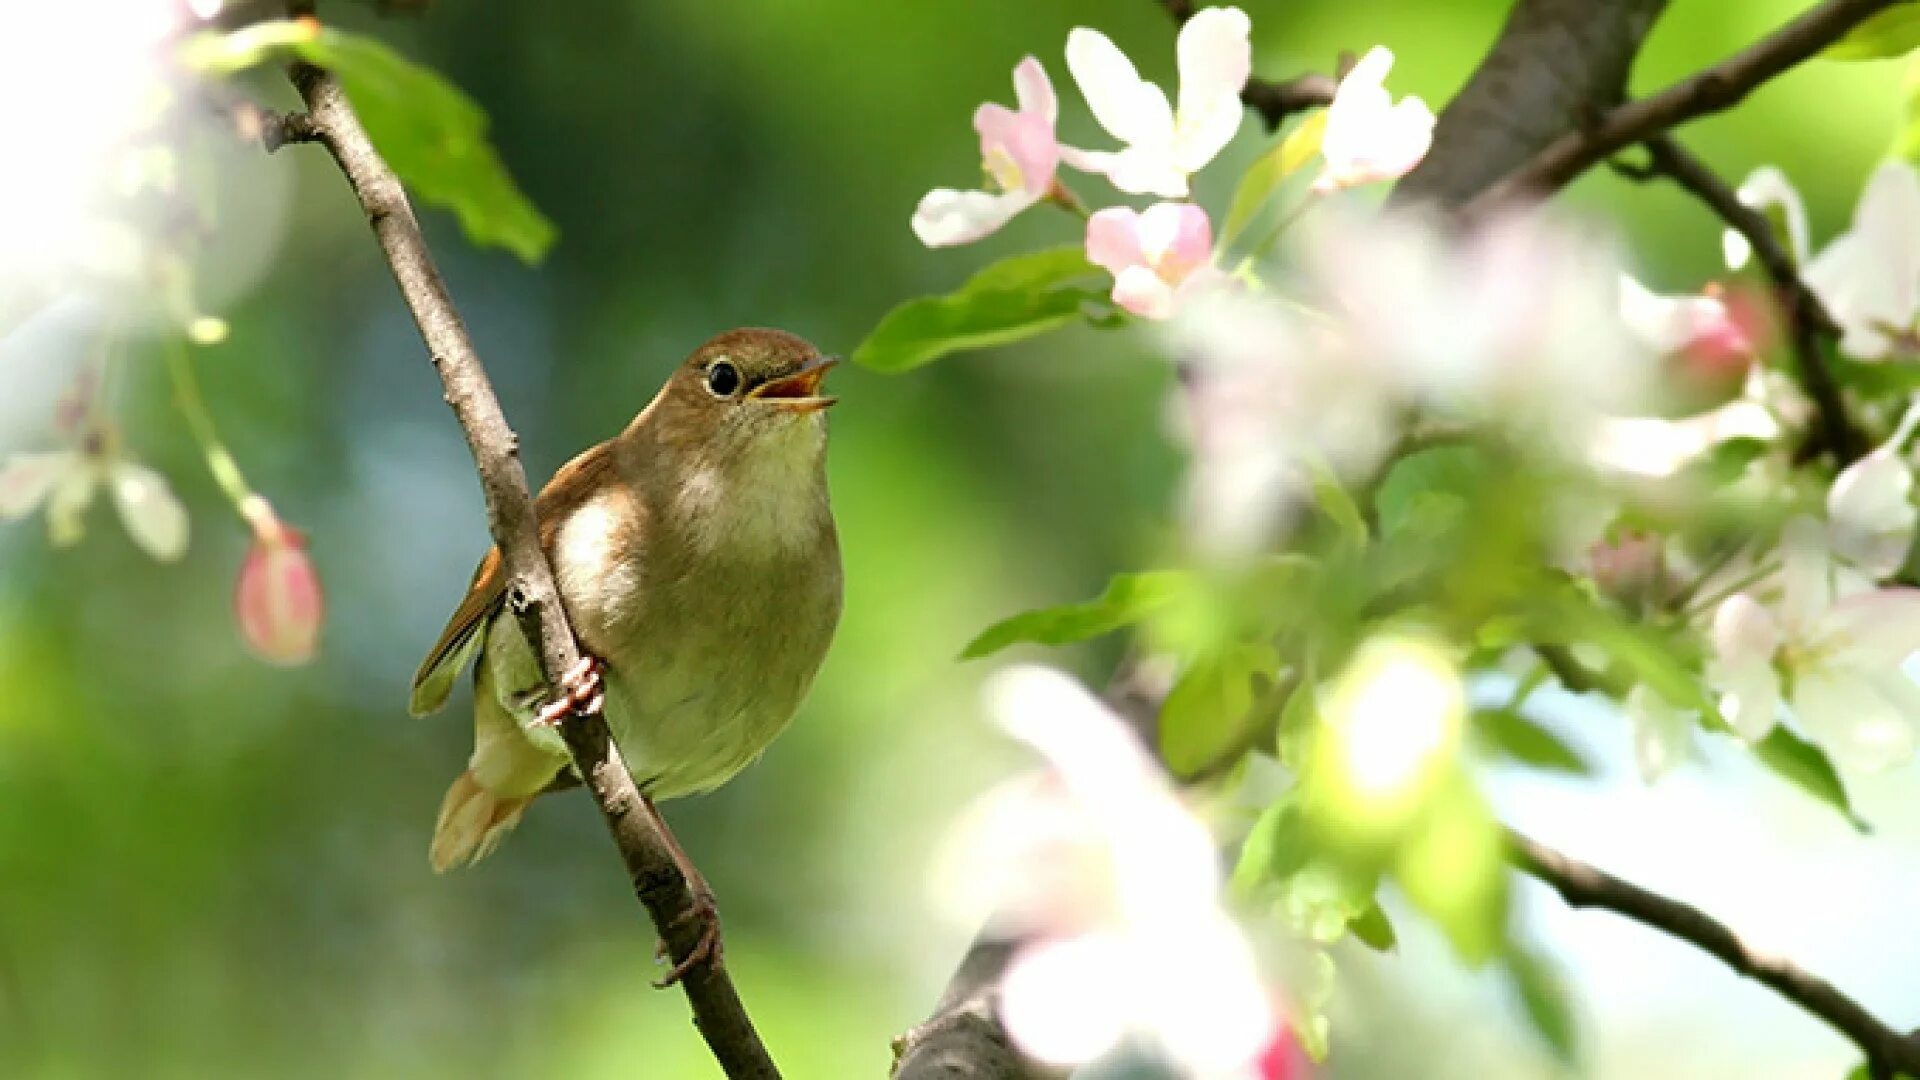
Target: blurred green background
(211, 867)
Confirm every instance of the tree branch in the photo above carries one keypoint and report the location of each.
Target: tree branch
(1274, 101)
(1717, 88)
(1582, 885)
(1808, 320)
(532, 597)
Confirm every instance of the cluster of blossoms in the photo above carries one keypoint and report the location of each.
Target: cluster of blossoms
(1164, 255)
(94, 219)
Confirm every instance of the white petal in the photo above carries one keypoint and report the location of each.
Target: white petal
(153, 517)
(1034, 91)
(67, 503)
(1864, 726)
(1767, 187)
(947, 217)
(1065, 1001)
(1869, 278)
(27, 479)
(1216, 56)
(1131, 109)
(1873, 630)
(1147, 170)
(1141, 291)
(1745, 638)
(1661, 733)
(1871, 513)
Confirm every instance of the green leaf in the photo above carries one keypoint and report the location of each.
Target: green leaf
(1374, 930)
(1512, 735)
(1128, 600)
(1435, 482)
(1274, 848)
(1011, 300)
(1452, 864)
(1338, 505)
(1893, 32)
(1808, 768)
(1536, 980)
(1268, 172)
(431, 133)
(1206, 711)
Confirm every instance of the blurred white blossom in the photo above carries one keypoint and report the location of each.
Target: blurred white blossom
(1870, 511)
(66, 481)
(1115, 889)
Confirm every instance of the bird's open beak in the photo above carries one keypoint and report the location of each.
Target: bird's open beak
(799, 391)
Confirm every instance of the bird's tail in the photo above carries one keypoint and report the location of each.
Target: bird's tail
(473, 821)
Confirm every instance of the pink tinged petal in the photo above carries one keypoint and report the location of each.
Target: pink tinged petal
(153, 517)
(277, 600)
(1066, 1001)
(1034, 91)
(1745, 638)
(1215, 58)
(1866, 723)
(1871, 514)
(1129, 108)
(1018, 150)
(947, 217)
(1176, 239)
(1113, 239)
(1143, 292)
(28, 478)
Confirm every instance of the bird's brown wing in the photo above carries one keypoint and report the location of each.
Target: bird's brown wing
(572, 485)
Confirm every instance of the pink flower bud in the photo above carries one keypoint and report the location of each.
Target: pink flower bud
(278, 599)
(1627, 566)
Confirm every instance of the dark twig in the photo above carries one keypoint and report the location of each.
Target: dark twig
(1582, 885)
(1808, 320)
(717, 1009)
(1274, 101)
(1713, 90)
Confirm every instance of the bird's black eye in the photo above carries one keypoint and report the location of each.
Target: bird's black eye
(722, 378)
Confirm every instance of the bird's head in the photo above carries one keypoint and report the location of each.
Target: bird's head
(744, 397)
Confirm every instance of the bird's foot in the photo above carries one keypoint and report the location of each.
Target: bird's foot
(707, 951)
(582, 691)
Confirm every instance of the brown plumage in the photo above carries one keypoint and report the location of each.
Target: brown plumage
(696, 555)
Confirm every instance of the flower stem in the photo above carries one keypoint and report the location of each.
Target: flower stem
(220, 461)
(1064, 197)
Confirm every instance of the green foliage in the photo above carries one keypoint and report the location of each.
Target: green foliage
(433, 135)
(1208, 709)
(1544, 999)
(1373, 929)
(1268, 172)
(1511, 735)
(1128, 600)
(1808, 768)
(1014, 299)
(1892, 33)
(1452, 864)
(1431, 490)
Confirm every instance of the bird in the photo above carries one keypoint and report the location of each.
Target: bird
(696, 555)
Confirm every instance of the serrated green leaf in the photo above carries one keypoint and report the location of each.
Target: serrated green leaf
(1128, 599)
(1808, 768)
(1891, 33)
(1374, 929)
(1510, 734)
(1268, 172)
(431, 133)
(1438, 479)
(1011, 300)
(1543, 995)
(1207, 709)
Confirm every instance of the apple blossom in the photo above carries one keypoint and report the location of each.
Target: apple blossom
(1163, 145)
(1156, 256)
(1369, 137)
(277, 599)
(1869, 276)
(1840, 641)
(1114, 889)
(1670, 324)
(1767, 189)
(1020, 155)
(66, 481)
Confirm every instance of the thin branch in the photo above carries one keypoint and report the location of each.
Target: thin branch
(1274, 101)
(1717, 88)
(1582, 885)
(717, 1009)
(1808, 320)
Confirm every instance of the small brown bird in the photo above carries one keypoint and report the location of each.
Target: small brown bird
(696, 555)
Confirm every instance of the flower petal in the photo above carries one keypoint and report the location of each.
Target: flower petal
(1176, 238)
(1065, 1001)
(1874, 630)
(67, 504)
(1869, 277)
(153, 517)
(947, 217)
(1766, 188)
(1368, 137)
(1113, 239)
(1871, 514)
(27, 479)
(1017, 148)
(1215, 57)
(277, 599)
(1661, 733)
(1034, 91)
(1865, 723)
(1744, 638)
(1143, 292)
(1132, 110)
